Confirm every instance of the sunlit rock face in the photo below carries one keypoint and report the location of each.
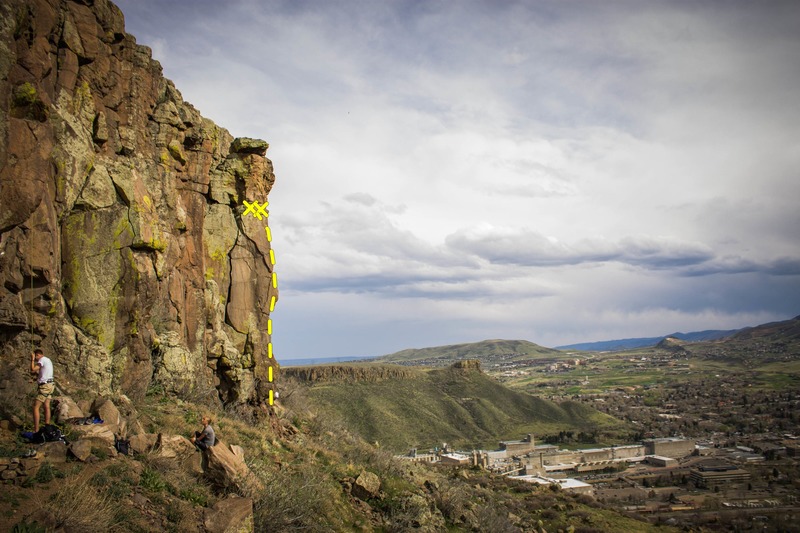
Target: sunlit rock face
(126, 252)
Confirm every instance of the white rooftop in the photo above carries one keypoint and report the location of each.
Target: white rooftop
(456, 456)
(568, 483)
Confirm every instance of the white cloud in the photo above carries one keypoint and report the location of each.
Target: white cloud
(526, 247)
(556, 171)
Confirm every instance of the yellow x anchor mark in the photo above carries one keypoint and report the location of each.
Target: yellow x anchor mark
(256, 209)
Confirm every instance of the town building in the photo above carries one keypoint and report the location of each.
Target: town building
(718, 473)
(567, 484)
(518, 447)
(658, 460)
(454, 459)
(415, 457)
(674, 447)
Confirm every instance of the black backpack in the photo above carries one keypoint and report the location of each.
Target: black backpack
(123, 446)
(49, 433)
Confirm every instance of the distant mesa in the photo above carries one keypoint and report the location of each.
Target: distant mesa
(469, 364)
(348, 373)
(671, 344)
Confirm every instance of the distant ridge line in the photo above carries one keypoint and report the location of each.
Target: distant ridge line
(645, 342)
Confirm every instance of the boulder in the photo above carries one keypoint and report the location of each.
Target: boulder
(231, 515)
(66, 408)
(225, 469)
(130, 417)
(54, 452)
(108, 413)
(245, 145)
(419, 515)
(366, 486)
(101, 434)
(81, 449)
(238, 451)
(193, 464)
(29, 467)
(143, 442)
(172, 446)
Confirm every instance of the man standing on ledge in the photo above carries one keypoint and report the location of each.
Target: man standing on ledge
(42, 366)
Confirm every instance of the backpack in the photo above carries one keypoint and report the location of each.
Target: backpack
(48, 433)
(51, 433)
(123, 446)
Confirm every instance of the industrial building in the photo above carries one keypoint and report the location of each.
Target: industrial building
(715, 474)
(674, 447)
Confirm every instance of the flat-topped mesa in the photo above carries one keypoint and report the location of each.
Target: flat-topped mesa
(468, 364)
(125, 249)
(348, 373)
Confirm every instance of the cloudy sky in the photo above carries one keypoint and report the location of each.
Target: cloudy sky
(556, 171)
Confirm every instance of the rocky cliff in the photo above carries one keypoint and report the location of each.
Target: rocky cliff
(349, 373)
(126, 250)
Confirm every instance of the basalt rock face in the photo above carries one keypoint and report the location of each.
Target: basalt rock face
(468, 364)
(348, 373)
(126, 251)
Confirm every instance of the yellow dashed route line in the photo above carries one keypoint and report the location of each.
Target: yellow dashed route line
(259, 211)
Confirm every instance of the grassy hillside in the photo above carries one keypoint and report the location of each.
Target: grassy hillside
(308, 469)
(461, 406)
(489, 351)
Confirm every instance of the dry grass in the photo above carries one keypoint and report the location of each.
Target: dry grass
(78, 506)
(299, 498)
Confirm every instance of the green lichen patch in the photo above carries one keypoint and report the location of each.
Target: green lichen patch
(24, 95)
(176, 152)
(26, 103)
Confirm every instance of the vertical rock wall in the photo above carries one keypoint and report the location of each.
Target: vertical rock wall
(124, 250)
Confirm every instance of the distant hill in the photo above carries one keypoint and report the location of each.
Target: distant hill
(786, 330)
(644, 342)
(488, 352)
(408, 407)
(759, 345)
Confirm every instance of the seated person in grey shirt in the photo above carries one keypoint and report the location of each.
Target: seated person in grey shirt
(205, 438)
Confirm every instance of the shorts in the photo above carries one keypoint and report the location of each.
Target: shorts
(45, 391)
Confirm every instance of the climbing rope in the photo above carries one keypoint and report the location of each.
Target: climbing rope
(30, 316)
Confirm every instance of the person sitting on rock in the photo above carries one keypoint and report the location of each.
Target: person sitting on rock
(205, 438)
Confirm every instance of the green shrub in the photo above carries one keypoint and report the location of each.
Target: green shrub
(194, 495)
(25, 527)
(117, 469)
(152, 481)
(47, 473)
(173, 512)
(100, 453)
(100, 479)
(115, 486)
